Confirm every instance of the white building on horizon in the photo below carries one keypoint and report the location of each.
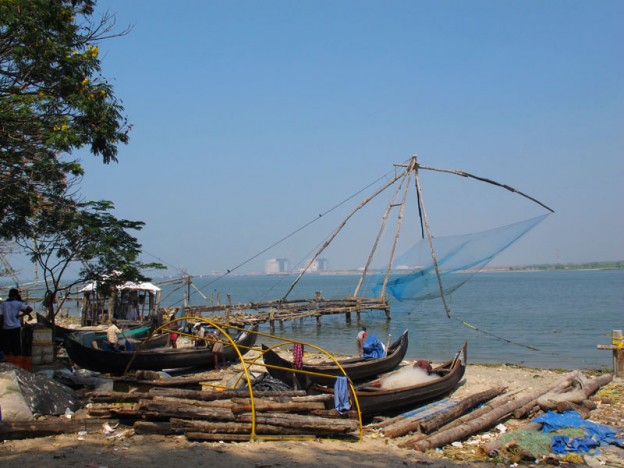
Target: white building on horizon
(276, 266)
(318, 265)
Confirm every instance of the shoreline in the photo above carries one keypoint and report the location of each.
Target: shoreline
(121, 447)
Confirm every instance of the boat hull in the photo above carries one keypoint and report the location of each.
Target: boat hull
(116, 362)
(134, 330)
(357, 369)
(373, 402)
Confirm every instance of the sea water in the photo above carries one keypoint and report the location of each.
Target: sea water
(550, 319)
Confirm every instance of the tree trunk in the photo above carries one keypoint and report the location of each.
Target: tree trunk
(150, 427)
(432, 423)
(225, 395)
(13, 430)
(308, 423)
(471, 424)
(243, 405)
(167, 410)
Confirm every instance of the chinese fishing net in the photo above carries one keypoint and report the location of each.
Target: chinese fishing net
(413, 276)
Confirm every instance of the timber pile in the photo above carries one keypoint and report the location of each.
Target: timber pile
(226, 415)
(572, 391)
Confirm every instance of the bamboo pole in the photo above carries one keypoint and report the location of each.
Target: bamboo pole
(384, 219)
(489, 181)
(433, 255)
(333, 236)
(396, 234)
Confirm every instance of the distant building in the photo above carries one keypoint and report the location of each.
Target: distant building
(276, 266)
(318, 265)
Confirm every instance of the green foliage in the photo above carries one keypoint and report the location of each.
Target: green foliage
(85, 233)
(53, 100)
(610, 265)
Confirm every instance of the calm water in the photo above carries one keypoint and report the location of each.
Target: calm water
(562, 314)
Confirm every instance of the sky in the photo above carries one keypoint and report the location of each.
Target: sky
(250, 119)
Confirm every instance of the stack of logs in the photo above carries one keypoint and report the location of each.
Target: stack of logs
(571, 392)
(226, 415)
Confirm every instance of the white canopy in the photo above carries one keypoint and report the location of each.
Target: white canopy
(128, 285)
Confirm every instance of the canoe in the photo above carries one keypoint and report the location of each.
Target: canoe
(115, 362)
(141, 339)
(133, 329)
(357, 369)
(374, 400)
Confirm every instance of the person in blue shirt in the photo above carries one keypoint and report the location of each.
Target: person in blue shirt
(12, 312)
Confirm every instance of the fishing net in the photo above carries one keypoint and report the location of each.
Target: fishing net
(413, 276)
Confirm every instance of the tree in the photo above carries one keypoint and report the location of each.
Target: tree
(53, 100)
(88, 234)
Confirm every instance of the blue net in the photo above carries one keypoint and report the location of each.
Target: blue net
(413, 275)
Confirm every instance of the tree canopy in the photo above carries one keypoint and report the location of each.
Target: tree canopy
(89, 234)
(53, 100)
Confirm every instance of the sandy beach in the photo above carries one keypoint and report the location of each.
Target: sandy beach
(123, 448)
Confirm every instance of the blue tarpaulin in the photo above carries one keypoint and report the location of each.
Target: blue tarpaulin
(595, 434)
(373, 348)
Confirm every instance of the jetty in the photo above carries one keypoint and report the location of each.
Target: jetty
(251, 313)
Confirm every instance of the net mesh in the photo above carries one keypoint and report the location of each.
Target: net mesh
(413, 275)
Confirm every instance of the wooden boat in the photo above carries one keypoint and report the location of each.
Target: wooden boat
(115, 362)
(357, 369)
(143, 340)
(134, 330)
(374, 400)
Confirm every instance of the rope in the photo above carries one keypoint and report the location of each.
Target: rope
(288, 236)
(532, 348)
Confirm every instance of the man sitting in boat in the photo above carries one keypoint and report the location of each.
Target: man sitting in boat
(360, 338)
(200, 331)
(112, 335)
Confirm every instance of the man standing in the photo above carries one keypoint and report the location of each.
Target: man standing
(13, 310)
(361, 337)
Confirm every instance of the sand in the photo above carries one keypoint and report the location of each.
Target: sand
(123, 448)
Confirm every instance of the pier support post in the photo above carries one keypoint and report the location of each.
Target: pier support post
(348, 317)
(617, 347)
(618, 353)
(272, 320)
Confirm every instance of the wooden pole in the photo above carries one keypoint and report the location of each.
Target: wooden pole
(333, 236)
(396, 234)
(384, 219)
(433, 255)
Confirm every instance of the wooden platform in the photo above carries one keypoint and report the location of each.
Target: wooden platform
(283, 310)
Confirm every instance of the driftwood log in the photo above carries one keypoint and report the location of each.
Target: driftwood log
(13, 430)
(488, 416)
(580, 390)
(310, 423)
(117, 397)
(583, 409)
(224, 395)
(207, 437)
(240, 405)
(431, 423)
(152, 427)
(168, 410)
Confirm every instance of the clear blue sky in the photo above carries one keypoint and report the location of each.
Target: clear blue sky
(250, 118)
